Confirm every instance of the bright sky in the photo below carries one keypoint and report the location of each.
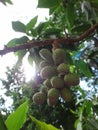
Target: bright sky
(24, 11)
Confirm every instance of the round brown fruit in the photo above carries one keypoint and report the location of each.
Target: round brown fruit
(59, 56)
(66, 94)
(53, 96)
(63, 68)
(47, 83)
(43, 64)
(43, 89)
(48, 72)
(57, 82)
(71, 80)
(39, 98)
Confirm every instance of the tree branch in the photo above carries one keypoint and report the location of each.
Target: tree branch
(49, 42)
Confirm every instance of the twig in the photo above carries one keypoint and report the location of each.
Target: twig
(49, 42)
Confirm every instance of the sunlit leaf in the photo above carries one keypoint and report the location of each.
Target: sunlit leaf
(42, 125)
(48, 4)
(12, 42)
(21, 40)
(30, 59)
(32, 23)
(18, 26)
(17, 118)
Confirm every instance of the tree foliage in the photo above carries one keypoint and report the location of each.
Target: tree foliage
(73, 26)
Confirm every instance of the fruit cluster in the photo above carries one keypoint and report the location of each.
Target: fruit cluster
(57, 78)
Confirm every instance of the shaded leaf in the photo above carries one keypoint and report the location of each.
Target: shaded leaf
(83, 67)
(17, 118)
(18, 26)
(70, 14)
(32, 23)
(22, 40)
(2, 124)
(48, 4)
(42, 125)
(81, 28)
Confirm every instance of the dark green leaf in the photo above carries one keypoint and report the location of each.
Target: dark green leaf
(83, 67)
(17, 118)
(42, 26)
(42, 125)
(2, 124)
(48, 4)
(70, 14)
(32, 23)
(81, 28)
(52, 31)
(18, 26)
(22, 40)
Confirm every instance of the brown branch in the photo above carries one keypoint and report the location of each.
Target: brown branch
(49, 42)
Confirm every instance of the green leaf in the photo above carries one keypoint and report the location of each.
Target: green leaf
(2, 124)
(12, 42)
(70, 14)
(32, 23)
(17, 118)
(9, 1)
(42, 125)
(21, 40)
(30, 60)
(48, 3)
(52, 31)
(83, 67)
(18, 26)
(81, 28)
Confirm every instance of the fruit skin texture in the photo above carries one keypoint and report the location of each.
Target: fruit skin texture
(47, 83)
(59, 56)
(57, 82)
(48, 72)
(71, 80)
(46, 55)
(63, 69)
(43, 64)
(53, 96)
(39, 98)
(66, 94)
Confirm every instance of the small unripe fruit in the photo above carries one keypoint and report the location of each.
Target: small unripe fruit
(63, 69)
(57, 82)
(43, 89)
(48, 72)
(53, 96)
(46, 55)
(59, 56)
(47, 83)
(43, 64)
(39, 98)
(66, 94)
(71, 80)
